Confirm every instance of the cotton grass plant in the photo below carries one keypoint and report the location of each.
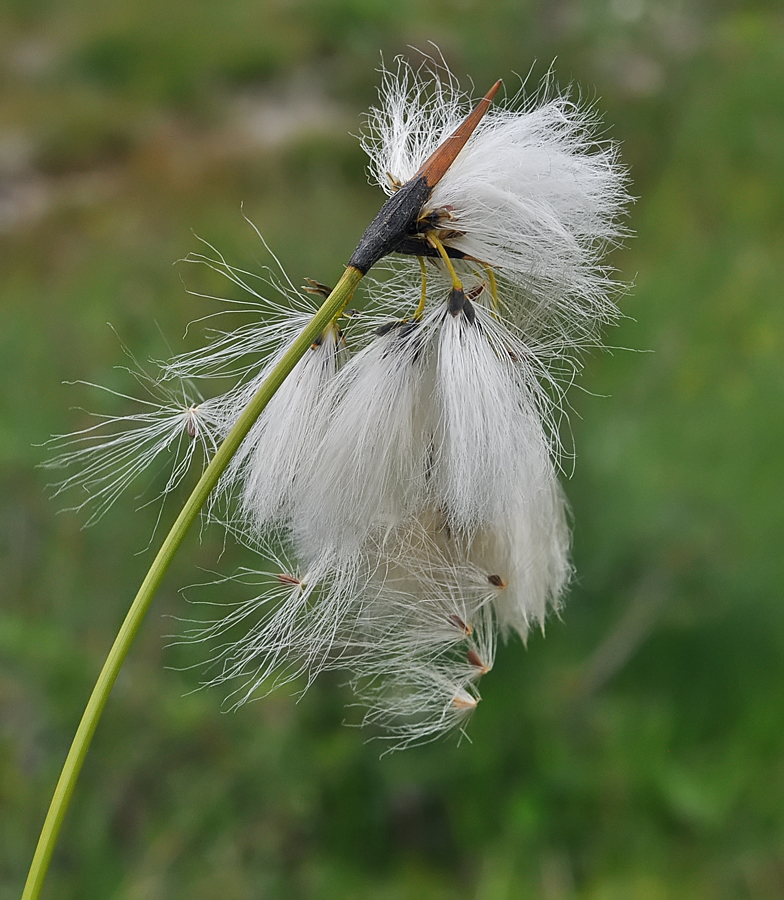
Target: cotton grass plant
(396, 470)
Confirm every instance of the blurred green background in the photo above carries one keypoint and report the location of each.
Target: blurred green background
(638, 750)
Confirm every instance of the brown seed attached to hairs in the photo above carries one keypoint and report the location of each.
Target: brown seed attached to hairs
(191, 426)
(283, 578)
(473, 657)
(464, 700)
(497, 581)
(459, 623)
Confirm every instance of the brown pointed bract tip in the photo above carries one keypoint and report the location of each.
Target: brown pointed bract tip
(397, 218)
(435, 166)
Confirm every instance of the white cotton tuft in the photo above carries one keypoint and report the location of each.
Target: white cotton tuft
(266, 470)
(488, 439)
(369, 470)
(415, 703)
(417, 483)
(524, 558)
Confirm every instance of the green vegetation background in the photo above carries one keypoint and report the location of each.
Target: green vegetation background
(638, 750)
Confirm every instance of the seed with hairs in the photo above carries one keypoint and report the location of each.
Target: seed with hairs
(464, 700)
(459, 623)
(473, 657)
(283, 578)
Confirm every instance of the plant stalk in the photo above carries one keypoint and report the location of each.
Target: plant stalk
(330, 309)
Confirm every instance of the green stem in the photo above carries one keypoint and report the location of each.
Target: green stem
(330, 309)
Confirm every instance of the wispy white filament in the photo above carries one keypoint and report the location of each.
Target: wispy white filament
(105, 458)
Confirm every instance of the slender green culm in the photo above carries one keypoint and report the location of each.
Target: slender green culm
(330, 309)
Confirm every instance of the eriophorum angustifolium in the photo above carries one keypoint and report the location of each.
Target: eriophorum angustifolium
(402, 484)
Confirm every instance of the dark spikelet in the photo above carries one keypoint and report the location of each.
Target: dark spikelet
(399, 216)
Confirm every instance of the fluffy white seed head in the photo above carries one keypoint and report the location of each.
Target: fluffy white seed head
(414, 483)
(535, 193)
(420, 478)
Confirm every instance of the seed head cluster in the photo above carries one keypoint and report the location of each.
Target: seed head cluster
(403, 482)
